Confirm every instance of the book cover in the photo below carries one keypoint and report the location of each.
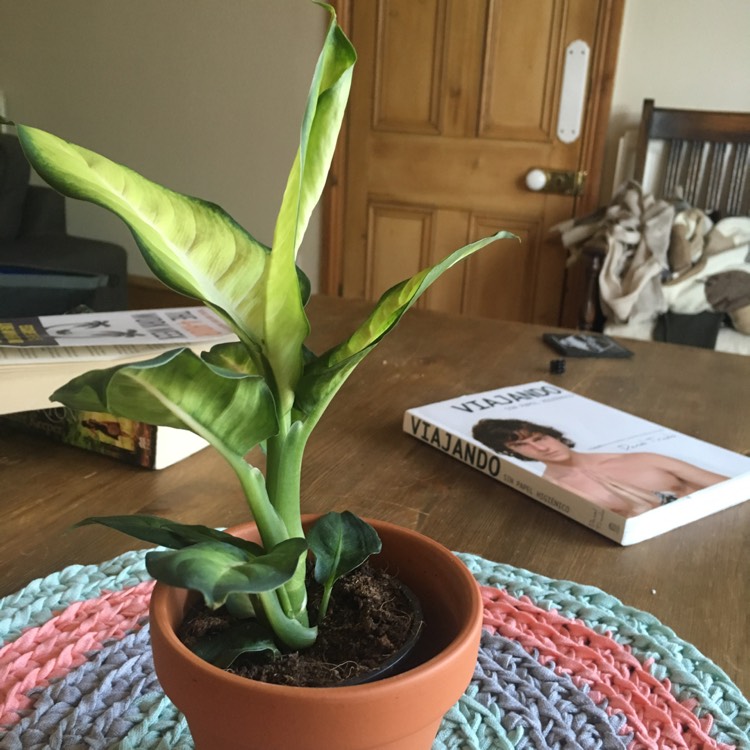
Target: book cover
(126, 440)
(622, 476)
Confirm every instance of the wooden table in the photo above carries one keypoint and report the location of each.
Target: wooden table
(693, 579)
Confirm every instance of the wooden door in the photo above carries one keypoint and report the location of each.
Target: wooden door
(453, 102)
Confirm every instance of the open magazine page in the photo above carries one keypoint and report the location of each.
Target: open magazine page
(107, 335)
(627, 467)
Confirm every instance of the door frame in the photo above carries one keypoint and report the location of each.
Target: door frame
(603, 68)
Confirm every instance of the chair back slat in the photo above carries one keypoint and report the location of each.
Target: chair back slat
(707, 158)
(716, 166)
(675, 161)
(694, 170)
(738, 182)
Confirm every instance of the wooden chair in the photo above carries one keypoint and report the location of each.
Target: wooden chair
(705, 161)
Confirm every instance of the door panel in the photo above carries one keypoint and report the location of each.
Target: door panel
(521, 69)
(403, 235)
(506, 265)
(453, 102)
(409, 56)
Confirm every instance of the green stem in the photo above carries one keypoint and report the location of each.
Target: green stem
(324, 600)
(283, 475)
(292, 596)
(275, 459)
(290, 631)
(270, 525)
(287, 481)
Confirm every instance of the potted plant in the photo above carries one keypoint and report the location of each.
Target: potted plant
(266, 388)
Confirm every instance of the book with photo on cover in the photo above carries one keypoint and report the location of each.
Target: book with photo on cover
(622, 476)
(129, 441)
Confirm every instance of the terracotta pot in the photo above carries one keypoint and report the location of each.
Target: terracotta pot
(402, 712)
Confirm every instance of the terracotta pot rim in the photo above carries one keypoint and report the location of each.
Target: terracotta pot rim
(162, 591)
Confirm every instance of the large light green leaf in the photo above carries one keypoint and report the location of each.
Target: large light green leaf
(193, 246)
(230, 357)
(286, 326)
(326, 374)
(171, 390)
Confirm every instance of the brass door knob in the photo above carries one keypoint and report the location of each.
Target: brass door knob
(555, 181)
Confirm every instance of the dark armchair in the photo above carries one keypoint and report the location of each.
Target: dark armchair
(44, 270)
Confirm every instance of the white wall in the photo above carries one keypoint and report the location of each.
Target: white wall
(203, 96)
(206, 96)
(688, 54)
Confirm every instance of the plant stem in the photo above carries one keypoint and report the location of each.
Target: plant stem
(290, 631)
(285, 472)
(283, 475)
(270, 525)
(324, 600)
(292, 596)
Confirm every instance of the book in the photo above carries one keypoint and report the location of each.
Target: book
(126, 440)
(38, 355)
(622, 476)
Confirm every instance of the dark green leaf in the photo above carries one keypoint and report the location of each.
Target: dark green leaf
(305, 287)
(216, 569)
(246, 636)
(341, 542)
(168, 533)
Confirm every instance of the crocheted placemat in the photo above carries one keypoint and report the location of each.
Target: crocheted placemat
(561, 665)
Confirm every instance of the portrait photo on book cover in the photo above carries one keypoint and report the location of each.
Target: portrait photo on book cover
(615, 460)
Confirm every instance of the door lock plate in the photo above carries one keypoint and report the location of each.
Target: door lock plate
(560, 182)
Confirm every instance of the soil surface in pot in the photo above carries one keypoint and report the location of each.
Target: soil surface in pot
(369, 619)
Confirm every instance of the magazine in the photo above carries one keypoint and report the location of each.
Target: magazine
(95, 336)
(39, 355)
(622, 476)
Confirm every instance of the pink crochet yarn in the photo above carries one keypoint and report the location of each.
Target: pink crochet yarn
(41, 654)
(608, 669)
